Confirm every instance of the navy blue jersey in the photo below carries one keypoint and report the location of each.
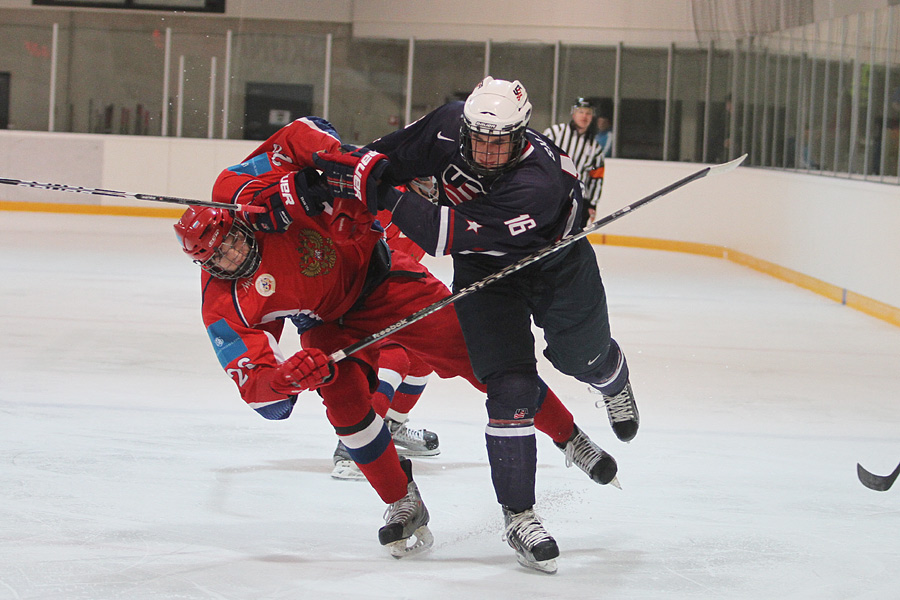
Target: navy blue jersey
(507, 216)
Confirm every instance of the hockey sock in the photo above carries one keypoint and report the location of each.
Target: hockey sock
(554, 419)
(393, 366)
(388, 382)
(513, 399)
(369, 445)
(512, 454)
(401, 380)
(408, 393)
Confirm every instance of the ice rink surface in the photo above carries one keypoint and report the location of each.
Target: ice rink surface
(130, 468)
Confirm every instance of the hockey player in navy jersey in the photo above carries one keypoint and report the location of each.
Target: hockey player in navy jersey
(506, 191)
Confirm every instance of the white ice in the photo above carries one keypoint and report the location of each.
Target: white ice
(130, 468)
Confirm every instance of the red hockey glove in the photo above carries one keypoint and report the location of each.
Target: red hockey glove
(306, 370)
(349, 220)
(283, 199)
(353, 174)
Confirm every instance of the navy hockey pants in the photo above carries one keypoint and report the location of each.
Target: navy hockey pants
(563, 294)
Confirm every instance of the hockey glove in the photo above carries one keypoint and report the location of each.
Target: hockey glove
(353, 174)
(306, 370)
(281, 200)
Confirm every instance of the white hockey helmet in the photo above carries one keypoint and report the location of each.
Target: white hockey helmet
(499, 109)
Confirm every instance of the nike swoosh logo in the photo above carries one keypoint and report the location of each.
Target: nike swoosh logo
(593, 360)
(441, 136)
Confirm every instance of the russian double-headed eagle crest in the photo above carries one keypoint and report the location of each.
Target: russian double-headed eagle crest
(317, 254)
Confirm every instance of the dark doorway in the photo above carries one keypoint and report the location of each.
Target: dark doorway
(270, 106)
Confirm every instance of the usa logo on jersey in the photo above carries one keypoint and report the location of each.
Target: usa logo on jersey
(459, 186)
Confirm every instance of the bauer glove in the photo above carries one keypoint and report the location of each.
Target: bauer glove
(353, 174)
(301, 189)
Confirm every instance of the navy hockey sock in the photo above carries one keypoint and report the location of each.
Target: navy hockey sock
(512, 453)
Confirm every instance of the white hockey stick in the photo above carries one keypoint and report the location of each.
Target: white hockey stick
(559, 245)
(61, 187)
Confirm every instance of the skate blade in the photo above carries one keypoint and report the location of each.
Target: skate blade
(409, 546)
(410, 453)
(346, 470)
(544, 566)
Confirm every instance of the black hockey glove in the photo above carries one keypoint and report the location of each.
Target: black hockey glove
(281, 200)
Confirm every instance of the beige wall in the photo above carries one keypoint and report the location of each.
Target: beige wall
(635, 22)
(298, 10)
(839, 231)
(575, 21)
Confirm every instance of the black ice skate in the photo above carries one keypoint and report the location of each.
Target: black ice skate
(623, 413)
(413, 442)
(590, 458)
(534, 547)
(405, 530)
(344, 467)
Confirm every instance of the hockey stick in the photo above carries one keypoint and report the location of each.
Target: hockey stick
(879, 483)
(60, 187)
(556, 246)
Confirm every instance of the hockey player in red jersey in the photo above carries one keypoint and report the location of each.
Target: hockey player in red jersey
(323, 264)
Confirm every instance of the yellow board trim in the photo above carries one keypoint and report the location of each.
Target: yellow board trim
(93, 209)
(864, 304)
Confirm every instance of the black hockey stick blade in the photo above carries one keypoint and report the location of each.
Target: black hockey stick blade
(339, 355)
(879, 483)
(61, 187)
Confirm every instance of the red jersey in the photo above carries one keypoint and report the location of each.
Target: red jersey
(289, 150)
(396, 239)
(304, 275)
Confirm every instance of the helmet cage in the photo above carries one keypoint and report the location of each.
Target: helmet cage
(507, 140)
(426, 187)
(221, 264)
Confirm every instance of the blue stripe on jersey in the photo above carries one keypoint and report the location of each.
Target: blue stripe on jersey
(255, 166)
(278, 410)
(226, 342)
(386, 388)
(371, 451)
(323, 126)
(305, 320)
(410, 389)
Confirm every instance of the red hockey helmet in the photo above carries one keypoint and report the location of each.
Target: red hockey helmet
(222, 245)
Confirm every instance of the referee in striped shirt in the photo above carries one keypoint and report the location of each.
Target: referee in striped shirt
(576, 138)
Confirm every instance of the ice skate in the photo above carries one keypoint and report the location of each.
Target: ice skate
(344, 467)
(590, 458)
(405, 531)
(623, 413)
(413, 442)
(534, 547)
